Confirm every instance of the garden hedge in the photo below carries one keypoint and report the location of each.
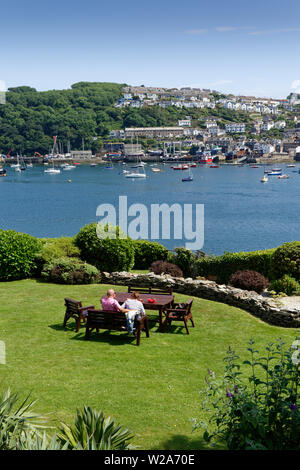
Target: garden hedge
(224, 266)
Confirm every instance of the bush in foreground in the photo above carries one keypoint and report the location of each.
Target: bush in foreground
(249, 280)
(70, 271)
(17, 255)
(105, 253)
(163, 267)
(257, 412)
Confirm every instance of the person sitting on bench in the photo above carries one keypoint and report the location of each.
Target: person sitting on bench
(136, 308)
(110, 303)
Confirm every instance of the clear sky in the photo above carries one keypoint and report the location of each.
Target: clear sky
(248, 47)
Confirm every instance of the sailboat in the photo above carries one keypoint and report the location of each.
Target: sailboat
(137, 174)
(188, 178)
(17, 166)
(53, 170)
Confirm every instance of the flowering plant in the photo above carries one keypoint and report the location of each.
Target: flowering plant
(259, 411)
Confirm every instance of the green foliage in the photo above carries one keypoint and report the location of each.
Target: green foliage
(17, 255)
(257, 412)
(145, 252)
(286, 260)
(287, 285)
(17, 421)
(224, 266)
(92, 431)
(186, 260)
(59, 247)
(107, 254)
(70, 271)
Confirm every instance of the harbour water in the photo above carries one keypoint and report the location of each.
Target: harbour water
(241, 213)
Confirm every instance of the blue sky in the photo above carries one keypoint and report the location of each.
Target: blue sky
(231, 46)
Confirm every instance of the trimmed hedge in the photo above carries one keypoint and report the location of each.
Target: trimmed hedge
(105, 253)
(223, 267)
(145, 252)
(17, 255)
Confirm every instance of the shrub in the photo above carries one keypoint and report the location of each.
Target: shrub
(92, 431)
(163, 267)
(286, 260)
(145, 252)
(17, 255)
(70, 271)
(287, 285)
(260, 411)
(249, 280)
(224, 266)
(105, 253)
(58, 248)
(186, 260)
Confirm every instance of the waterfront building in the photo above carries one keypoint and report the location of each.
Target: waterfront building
(154, 132)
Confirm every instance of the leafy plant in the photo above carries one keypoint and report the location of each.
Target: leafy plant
(186, 260)
(70, 271)
(163, 267)
(107, 254)
(59, 247)
(286, 260)
(17, 422)
(259, 411)
(287, 285)
(17, 255)
(92, 431)
(249, 280)
(145, 252)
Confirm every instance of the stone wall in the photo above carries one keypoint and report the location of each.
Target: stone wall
(264, 308)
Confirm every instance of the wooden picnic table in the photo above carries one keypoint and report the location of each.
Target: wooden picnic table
(162, 301)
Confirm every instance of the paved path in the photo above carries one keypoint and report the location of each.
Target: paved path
(291, 302)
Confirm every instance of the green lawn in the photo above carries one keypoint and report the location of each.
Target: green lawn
(153, 389)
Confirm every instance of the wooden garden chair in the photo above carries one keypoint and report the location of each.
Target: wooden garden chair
(74, 309)
(180, 312)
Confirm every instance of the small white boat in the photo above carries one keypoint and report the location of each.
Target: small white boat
(15, 165)
(18, 169)
(135, 175)
(52, 170)
(283, 177)
(264, 179)
(156, 170)
(69, 167)
(291, 166)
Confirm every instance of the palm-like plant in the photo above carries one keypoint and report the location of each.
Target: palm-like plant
(16, 421)
(92, 431)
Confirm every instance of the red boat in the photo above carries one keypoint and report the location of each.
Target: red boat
(206, 159)
(214, 166)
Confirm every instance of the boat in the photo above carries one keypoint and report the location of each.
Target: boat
(93, 164)
(52, 170)
(69, 167)
(179, 167)
(156, 170)
(189, 177)
(214, 166)
(291, 166)
(206, 158)
(137, 174)
(2, 171)
(193, 165)
(254, 166)
(284, 177)
(264, 179)
(275, 172)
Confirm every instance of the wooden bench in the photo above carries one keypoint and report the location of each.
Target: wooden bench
(180, 312)
(74, 309)
(110, 320)
(151, 290)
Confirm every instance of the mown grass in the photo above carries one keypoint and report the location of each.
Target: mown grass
(153, 389)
